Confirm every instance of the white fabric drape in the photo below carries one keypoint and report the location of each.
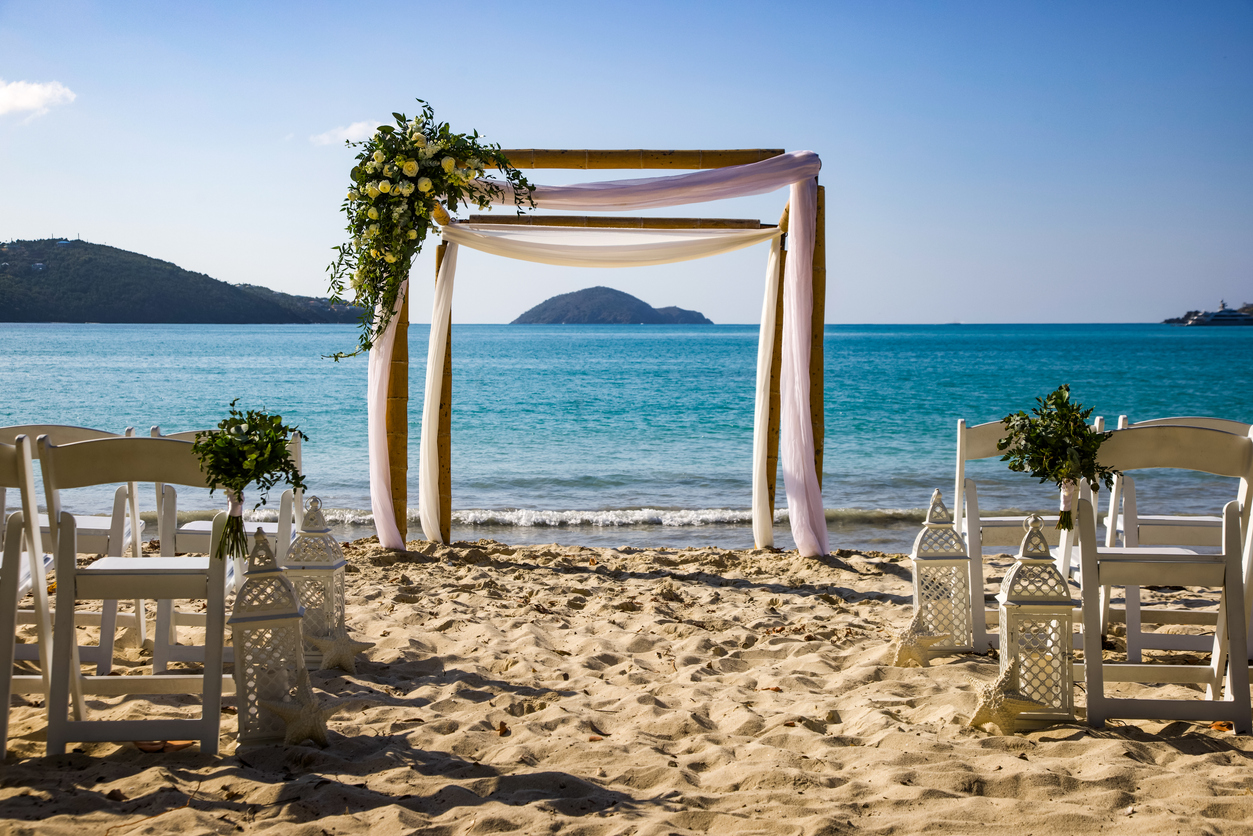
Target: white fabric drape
(380, 372)
(583, 247)
(763, 519)
(797, 169)
(428, 447)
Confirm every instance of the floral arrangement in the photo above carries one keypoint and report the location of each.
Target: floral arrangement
(247, 447)
(1055, 444)
(408, 179)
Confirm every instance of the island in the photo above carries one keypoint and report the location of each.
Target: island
(605, 306)
(56, 280)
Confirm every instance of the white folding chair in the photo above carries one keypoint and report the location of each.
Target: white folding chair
(1183, 448)
(980, 531)
(23, 570)
(1137, 529)
(99, 534)
(108, 535)
(108, 461)
(194, 536)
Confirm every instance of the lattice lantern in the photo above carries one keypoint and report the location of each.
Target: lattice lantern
(266, 635)
(942, 580)
(315, 563)
(1037, 623)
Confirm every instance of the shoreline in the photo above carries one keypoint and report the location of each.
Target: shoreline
(641, 691)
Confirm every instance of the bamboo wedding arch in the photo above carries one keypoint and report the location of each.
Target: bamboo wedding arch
(771, 340)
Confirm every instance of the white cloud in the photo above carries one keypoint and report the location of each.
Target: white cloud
(36, 97)
(355, 132)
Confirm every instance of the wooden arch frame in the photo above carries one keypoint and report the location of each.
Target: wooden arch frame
(397, 416)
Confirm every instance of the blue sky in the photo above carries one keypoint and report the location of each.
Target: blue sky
(984, 161)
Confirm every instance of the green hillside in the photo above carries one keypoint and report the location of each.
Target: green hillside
(74, 281)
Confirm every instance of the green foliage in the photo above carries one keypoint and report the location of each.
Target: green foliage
(1055, 444)
(248, 448)
(407, 180)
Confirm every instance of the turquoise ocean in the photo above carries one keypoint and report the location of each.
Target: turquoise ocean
(638, 435)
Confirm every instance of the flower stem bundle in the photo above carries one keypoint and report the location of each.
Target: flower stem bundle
(408, 179)
(1056, 444)
(247, 448)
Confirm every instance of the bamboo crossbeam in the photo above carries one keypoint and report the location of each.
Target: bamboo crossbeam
(817, 414)
(596, 222)
(397, 420)
(444, 433)
(635, 158)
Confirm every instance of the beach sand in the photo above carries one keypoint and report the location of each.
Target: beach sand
(558, 689)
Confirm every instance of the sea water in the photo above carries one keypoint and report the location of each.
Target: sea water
(638, 435)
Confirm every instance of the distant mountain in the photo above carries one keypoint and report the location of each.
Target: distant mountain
(605, 306)
(74, 281)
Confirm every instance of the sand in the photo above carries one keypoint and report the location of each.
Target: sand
(558, 689)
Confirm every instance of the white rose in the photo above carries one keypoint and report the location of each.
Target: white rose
(419, 139)
(411, 168)
(379, 156)
(372, 191)
(373, 229)
(424, 184)
(413, 233)
(448, 164)
(385, 186)
(389, 258)
(353, 194)
(372, 213)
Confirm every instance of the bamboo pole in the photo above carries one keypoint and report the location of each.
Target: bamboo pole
(444, 434)
(635, 158)
(619, 223)
(776, 367)
(397, 420)
(817, 414)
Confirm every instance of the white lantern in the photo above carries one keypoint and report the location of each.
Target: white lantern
(315, 563)
(265, 631)
(942, 580)
(1037, 620)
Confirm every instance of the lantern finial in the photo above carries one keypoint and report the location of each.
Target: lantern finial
(261, 558)
(1034, 545)
(938, 513)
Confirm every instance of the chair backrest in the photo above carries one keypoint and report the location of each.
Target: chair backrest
(1223, 424)
(1184, 448)
(107, 461)
(56, 433)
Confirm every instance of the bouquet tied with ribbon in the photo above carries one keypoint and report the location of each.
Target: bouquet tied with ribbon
(247, 448)
(1055, 444)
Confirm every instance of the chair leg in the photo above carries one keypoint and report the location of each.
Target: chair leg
(1135, 638)
(164, 635)
(141, 621)
(108, 633)
(65, 652)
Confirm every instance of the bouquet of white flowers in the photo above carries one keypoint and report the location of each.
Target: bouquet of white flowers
(408, 178)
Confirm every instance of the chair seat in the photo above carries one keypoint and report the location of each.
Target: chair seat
(174, 577)
(23, 578)
(93, 531)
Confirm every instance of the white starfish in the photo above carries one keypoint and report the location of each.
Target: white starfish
(911, 645)
(339, 650)
(305, 718)
(1000, 705)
